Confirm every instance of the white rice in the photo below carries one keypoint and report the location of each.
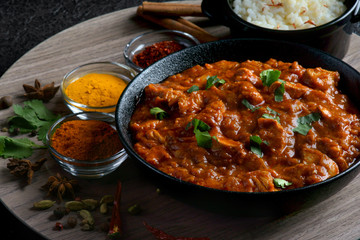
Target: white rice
(289, 14)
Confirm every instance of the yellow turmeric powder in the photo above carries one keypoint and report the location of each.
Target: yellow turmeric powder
(96, 89)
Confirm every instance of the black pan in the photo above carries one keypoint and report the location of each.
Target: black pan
(256, 204)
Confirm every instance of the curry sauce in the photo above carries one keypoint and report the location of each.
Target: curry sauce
(298, 129)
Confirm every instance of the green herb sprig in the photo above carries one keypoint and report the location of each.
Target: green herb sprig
(159, 113)
(17, 147)
(201, 131)
(193, 88)
(213, 81)
(281, 183)
(248, 105)
(255, 145)
(33, 116)
(304, 123)
(268, 77)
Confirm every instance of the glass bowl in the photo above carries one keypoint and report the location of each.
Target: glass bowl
(81, 168)
(139, 43)
(119, 70)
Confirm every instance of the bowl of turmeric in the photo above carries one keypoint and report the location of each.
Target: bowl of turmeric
(95, 86)
(86, 144)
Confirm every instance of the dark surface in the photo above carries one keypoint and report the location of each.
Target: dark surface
(277, 203)
(25, 24)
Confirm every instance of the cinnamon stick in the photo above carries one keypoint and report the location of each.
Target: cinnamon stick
(172, 9)
(173, 24)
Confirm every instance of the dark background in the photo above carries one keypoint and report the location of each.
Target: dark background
(23, 25)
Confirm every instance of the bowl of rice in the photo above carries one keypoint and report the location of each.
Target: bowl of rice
(324, 24)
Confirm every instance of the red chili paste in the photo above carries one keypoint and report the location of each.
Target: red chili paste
(329, 147)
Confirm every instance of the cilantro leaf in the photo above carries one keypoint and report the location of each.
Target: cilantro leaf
(201, 131)
(193, 88)
(304, 123)
(255, 145)
(268, 116)
(32, 116)
(213, 80)
(249, 105)
(279, 91)
(269, 76)
(281, 183)
(17, 147)
(272, 111)
(203, 139)
(158, 112)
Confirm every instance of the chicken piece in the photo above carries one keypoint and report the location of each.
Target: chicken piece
(333, 150)
(249, 92)
(247, 75)
(320, 79)
(163, 94)
(272, 132)
(313, 156)
(263, 181)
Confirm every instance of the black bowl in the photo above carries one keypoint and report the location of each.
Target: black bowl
(268, 203)
(333, 37)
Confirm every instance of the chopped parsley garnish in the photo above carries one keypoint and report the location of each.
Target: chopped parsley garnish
(304, 123)
(279, 92)
(255, 145)
(201, 130)
(269, 76)
(193, 88)
(249, 105)
(281, 183)
(213, 80)
(158, 112)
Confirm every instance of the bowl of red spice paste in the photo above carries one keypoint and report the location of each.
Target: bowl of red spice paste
(86, 144)
(149, 47)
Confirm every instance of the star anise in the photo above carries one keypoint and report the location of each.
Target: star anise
(60, 186)
(45, 93)
(24, 167)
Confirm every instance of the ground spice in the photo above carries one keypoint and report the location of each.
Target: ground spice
(155, 52)
(96, 89)
(88, 140)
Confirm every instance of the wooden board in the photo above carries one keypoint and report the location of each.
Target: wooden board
(103, 39)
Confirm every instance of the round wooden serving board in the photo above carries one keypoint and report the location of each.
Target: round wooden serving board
(103, 39)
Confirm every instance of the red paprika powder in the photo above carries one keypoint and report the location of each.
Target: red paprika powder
(86, 140)
(155, 52)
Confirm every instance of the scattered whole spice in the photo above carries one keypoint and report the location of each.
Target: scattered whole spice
(115, 225)
(24, 167)
(96, 89)
(43, 204)
(60, 186)
(71, 221)
(60, 212)
(58, 226)
(45, 93)
(155, 52)
(135, 209)
(159, 234)
(6, 102)
(86, 140)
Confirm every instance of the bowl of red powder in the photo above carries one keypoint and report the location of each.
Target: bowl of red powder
(149, 47)
(86, 144)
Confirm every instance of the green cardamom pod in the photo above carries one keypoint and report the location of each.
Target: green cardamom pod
(86, 215)
(107, 199)
(44, 204)
(75, 205)
(103, 208)
(90, 204)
